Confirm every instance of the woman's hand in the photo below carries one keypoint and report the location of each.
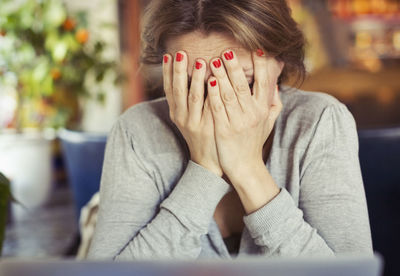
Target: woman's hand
(243, 121)
(188, 110)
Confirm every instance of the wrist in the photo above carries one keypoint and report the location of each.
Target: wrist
(256, 189)
(246, 171)
(213, 169)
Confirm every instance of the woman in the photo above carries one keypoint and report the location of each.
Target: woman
(228, 164)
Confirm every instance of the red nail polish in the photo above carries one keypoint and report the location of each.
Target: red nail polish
(179, 57)
(217, 63)
(228, 55)
(260, 52)
(213, 83)
(198, 65)
(165, 59)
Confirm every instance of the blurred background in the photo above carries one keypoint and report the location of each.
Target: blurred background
(68, 69)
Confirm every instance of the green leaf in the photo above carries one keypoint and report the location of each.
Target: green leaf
(72, 44)
(41, 70)
(60, 50)
(55, 13)
(51, 39)
(47, 86)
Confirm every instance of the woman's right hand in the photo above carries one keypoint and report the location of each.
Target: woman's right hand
(188, 110)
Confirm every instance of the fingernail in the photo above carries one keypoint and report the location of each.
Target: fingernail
(213, 83)
(228, 55)
(179, 57)
(165, 59)
(260, 52)
(198, 65)
(217, 63)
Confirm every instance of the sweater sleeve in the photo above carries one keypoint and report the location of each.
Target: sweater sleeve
(332, 216)
(133, 223)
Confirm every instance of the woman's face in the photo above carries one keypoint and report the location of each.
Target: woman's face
(197, 45)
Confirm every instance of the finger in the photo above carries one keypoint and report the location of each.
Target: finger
(207, 115)
(266, 73)
(238, 80)
(261, 78)
(179, 84)
(196, 92)
(217, 107)
(228, 96)
(167, 80)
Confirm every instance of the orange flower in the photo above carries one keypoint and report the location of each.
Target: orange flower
(69, 24)
(3, 32)
(55, 73)
(82, 36)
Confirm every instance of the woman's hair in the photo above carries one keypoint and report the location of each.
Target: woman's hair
(264, 24)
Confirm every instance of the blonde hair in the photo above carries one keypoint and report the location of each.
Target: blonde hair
(255, 24)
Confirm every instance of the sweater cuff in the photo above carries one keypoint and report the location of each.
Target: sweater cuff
(273, 218)
(195, 196)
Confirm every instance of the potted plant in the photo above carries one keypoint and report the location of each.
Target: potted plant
(5, 197)
(48, 61)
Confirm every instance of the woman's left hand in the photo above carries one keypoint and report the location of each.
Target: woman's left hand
(243, 121)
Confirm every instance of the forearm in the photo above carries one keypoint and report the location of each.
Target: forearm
(279, 229)
(129, 230)
(274, 221)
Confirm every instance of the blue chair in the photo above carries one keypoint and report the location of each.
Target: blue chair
(84, 155)
(380, 165)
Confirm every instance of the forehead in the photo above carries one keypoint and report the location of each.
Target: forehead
(197, 44)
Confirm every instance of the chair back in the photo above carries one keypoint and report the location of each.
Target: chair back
(84, 155)
(380, 165)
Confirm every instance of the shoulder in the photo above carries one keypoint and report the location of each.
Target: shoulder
(148, 125)
(305, 112)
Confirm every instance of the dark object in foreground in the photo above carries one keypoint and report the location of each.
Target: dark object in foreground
(380, 166)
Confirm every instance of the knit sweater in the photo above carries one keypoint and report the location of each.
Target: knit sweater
(156, 203)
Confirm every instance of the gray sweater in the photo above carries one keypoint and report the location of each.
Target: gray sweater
(156, 203)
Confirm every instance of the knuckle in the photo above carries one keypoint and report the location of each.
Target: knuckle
(194, 98)
(228, 97)
(192, 128)
(197, 78)
(220, 74)
(179, 69)
(253, 121)
(178, 91)
(260, 84)
(217, 107)
(167, 91)
(241, 88)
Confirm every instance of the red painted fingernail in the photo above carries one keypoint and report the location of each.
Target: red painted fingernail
(213, 83)
(198, 65)
(217, 63)
(165, 59)
(179, 57)
(260, 52)
(228, 55)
